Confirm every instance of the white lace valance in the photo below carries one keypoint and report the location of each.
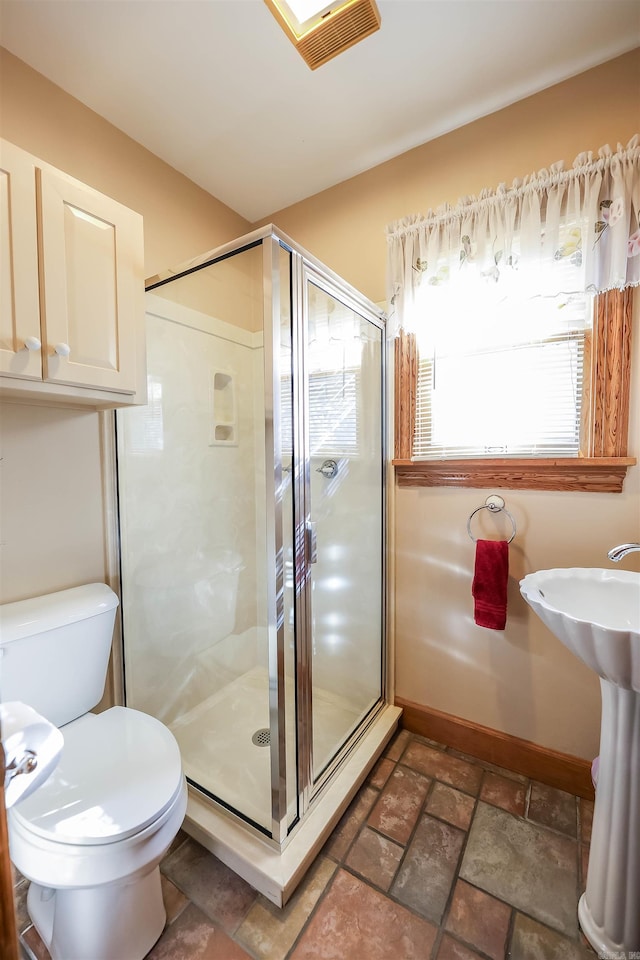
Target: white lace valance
(557, 231)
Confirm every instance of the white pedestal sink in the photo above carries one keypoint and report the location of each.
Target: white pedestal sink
(596, 614)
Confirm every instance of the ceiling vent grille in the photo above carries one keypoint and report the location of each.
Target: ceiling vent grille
(338, 30)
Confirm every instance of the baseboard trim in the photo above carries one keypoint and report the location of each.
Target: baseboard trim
(556, 769)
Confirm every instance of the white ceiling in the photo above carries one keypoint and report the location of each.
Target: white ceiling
(215, 89)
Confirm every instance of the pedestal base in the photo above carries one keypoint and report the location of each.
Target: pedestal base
(596, 935)
(609, 911)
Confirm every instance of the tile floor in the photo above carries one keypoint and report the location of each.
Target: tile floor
(439, 857)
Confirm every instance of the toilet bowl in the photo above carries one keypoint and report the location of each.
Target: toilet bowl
(90, 838)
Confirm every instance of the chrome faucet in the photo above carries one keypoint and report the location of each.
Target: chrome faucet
(617, 553)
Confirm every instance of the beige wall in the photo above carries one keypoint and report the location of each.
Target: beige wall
(521, 681)
(51, 505)
(344, 226)
(180, 220)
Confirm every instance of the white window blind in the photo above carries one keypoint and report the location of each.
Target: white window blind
(333, 414)
(500, 377)
(146, 431)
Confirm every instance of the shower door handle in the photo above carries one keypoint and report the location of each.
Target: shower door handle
(312, 542)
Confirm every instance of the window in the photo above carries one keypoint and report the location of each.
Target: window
(569, 433)
(501, 375)
(506, 374)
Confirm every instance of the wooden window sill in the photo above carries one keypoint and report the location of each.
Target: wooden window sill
(590, 474)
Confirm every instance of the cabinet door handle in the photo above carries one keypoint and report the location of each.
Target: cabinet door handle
(32, 343)
(62, 349)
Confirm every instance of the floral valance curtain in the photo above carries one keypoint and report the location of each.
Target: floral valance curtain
(555, 232)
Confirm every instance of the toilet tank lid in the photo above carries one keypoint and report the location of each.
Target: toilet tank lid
(26, 618)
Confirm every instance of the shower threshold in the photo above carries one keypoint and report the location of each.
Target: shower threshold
(276, 873)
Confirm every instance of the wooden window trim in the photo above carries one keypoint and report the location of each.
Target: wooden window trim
(605, 423)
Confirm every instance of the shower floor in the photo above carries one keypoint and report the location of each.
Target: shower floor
(218, 752)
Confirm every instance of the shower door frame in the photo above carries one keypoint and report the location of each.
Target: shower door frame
(275, 540)
(305, 270)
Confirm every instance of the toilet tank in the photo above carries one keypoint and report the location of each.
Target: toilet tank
(54, 650)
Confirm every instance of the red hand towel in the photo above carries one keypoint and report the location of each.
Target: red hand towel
(489, 587)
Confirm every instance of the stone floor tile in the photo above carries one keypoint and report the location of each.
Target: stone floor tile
(534, 941)
(375, 858)
(174, 900)
(553, 808)
(177, 841)
(356, 922)
(430, 743)
(342, 837)
(32, 940)
(20, 891)
(403, 835)
(396, 746)
(524, 864)
(381, 773)
(450, 805)
(586, 946)
(584, 865)
(499, 771)
(194, 937)
(451, 949)
(270, 932)
(502, 792)
(442, 766)
(219, 892)
(399, 805)
(585, 808)
(426, 876)
(479, 919)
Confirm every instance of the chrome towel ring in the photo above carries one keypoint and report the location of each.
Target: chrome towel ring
(495, 504)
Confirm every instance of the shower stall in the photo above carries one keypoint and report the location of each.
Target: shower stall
(251, 492)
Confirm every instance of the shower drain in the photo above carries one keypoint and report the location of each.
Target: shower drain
(262, 737)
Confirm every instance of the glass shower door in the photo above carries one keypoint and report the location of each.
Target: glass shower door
(343, 387)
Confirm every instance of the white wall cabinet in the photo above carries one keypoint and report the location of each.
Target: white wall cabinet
(71, 288)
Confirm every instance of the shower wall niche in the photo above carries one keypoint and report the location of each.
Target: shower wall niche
(223, 407)
(252, 521)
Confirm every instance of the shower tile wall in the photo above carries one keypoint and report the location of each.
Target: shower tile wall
(190, 513)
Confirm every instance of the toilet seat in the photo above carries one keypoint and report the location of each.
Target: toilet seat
(119, 772)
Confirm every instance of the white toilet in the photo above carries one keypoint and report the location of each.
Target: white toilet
(91, 837)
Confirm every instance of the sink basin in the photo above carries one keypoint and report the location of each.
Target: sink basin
(595, 613)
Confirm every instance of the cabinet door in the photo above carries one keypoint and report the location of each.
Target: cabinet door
(92, 282)
(19, 306)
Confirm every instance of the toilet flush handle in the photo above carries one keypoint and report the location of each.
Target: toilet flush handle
(26, 763)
